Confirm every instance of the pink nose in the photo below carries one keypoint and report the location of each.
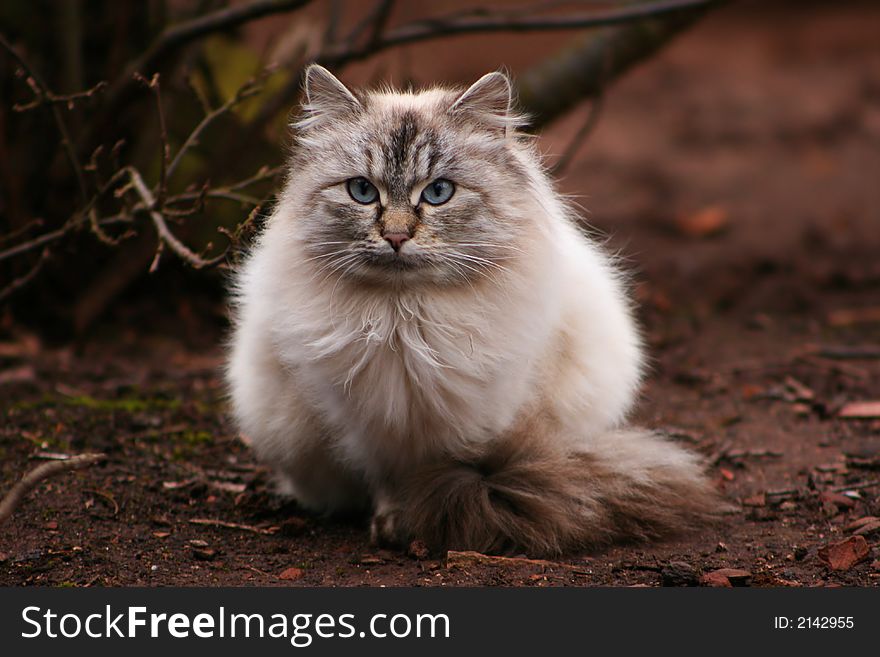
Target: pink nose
(396, 240)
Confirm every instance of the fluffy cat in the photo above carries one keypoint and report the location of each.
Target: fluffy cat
(422, 329)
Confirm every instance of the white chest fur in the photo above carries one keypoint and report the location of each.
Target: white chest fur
(401, 375)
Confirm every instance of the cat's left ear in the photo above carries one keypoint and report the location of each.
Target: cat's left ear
(488, 101)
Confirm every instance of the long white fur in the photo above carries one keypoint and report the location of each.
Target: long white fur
(342, 387)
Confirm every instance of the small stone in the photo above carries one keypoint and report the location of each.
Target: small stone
(843, 555)
(291, 574)
(204, 554)
(293, 526)
(679, 573)
(161, 534)
(198, 543)
(51, 525)
(737, 576)
(715, 580)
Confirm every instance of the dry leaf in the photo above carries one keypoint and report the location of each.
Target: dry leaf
(704, 223)
(291, 573)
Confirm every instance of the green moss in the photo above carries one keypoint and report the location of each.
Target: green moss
(126, 404)
(195, 437)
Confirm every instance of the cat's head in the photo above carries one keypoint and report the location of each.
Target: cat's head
(410, 187)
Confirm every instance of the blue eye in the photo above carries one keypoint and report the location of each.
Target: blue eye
(362, 190)
(439, 191)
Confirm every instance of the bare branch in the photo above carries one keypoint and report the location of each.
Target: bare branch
(583, 132)
(375, 22)
(250, 88)
(590, 62)
(75, 222)
(164, 233)
(177, 36)
(20, 282)
(495, 20)
(38, 474)
(68, 100)
(153, 85)
(503, 19)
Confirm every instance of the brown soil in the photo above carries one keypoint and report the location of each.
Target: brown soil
(738, 175)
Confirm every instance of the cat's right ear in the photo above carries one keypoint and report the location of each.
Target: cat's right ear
(488, 102)
(325, 97)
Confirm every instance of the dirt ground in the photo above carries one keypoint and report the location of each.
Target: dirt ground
(737, 174)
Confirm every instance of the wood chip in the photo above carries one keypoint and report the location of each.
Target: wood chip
(843, 555)
(868, 530)
(862, 410)
(861, 522)
(851, 316)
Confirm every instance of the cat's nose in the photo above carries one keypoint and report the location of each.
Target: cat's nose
(396, 240)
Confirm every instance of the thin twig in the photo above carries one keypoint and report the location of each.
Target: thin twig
(21, 281)
(583, 132)
(153, 85)
(861, 486)
(233, 525)
(68, 100)
(250, 88)
(38, 474)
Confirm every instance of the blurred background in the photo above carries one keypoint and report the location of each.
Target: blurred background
(698, 135)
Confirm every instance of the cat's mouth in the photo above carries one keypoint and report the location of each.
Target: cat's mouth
(394, 260)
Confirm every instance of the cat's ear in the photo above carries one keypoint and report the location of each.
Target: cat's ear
(326, 97)
(488, 101)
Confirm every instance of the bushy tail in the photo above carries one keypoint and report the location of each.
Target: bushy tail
(530, 495)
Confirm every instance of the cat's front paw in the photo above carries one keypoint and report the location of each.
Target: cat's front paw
(384, 529)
